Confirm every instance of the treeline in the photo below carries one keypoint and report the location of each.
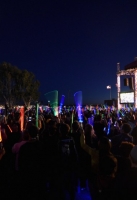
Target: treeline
(17, 85)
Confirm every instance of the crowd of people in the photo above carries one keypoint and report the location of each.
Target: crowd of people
(50, 160)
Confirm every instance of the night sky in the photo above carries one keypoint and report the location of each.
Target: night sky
(70, 45)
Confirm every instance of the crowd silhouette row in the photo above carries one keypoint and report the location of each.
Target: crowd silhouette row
(50, 161)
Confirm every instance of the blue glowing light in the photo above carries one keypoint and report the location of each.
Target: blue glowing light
(78, 101)
(61, 103)
(108, 131)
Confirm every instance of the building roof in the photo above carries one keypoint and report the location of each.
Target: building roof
(131, 65)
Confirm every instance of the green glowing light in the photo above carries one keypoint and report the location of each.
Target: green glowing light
(52, 97)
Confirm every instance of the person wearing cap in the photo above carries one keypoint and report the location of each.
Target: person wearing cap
(124, 136)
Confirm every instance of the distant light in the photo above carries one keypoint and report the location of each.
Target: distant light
(109, 87)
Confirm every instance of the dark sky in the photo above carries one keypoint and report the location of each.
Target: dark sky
(70, 45)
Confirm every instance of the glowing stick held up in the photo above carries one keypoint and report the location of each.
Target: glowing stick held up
(0, 135)
(61, 103)
(9, 128)
(22, 118)
(53, 98)
(37, 108)
(108, 131)
(78, 101)
(72, 119)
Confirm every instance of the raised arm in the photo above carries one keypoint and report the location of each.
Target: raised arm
(92, 152)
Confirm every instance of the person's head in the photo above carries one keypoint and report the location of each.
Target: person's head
(89, 130)
(75, 125)
(126, 128)
(104, 145)
(33, 131)
(125, 148)
(17, 116)
(10, 119)
(97, 118)
(64, 129)
(133, 156)
(15, 128)
(52, 130)
(28, 124)
(119, 122)
(52, 123)
(25, 135)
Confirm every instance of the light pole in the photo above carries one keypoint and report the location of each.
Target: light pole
(109, 88)
(110, 93)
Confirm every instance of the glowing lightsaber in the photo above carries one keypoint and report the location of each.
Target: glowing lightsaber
(53, 98)
(72, 119)
(78, 101)
(22, 118)
(9, 128)
(37, 108)
(61, 103)
(108, 128)
(0, 135)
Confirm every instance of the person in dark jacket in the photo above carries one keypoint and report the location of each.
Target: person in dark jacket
(124, 136)
(134, 134)
(125, 184)
(31, 165)
(67, 164)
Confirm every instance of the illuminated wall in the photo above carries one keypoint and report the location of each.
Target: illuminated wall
(135, 97)
(118, 91)
(130, 72)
